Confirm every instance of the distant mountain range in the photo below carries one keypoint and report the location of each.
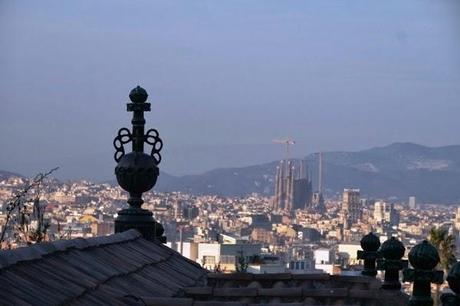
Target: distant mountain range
(399, 170)
(6, 174)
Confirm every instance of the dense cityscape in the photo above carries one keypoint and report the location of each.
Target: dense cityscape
(297, 230)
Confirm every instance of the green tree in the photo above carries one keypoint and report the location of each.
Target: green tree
(445, 244)
(241, 263)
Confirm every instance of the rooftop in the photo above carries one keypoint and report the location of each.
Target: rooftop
(94, 271)
(126, 269)
(283, 289)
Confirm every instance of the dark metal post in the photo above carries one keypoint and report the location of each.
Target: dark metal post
(370, 244)
(392, 251)
(137, 172)
(453, 278)
(423, 257)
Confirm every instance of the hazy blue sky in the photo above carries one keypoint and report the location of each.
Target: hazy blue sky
(224, 78)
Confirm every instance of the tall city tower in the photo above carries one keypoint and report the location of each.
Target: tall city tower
(351, 206)
(293, 187)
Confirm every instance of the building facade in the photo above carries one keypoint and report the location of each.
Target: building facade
(385, 213)
(351, 206)
(293, 187)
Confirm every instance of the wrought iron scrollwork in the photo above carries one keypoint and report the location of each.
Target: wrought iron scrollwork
(152, 138)
(124, 136)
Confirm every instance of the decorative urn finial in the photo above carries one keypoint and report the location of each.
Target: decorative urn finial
(370, 243)
(424, 258)
(138, 95)
(453, 278)
(392, 250)
(137, 172)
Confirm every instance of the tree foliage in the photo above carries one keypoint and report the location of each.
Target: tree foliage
(445, 244)
(241, 263)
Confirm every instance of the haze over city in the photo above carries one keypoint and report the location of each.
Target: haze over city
(260, 152)
(224, 79)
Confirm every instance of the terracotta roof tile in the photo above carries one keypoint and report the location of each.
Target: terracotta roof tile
(95, 271)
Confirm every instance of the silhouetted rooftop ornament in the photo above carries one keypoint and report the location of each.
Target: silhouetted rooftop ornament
(424, 258)
(370, 244)
(137, 172)
(392, 251)
(453, 278)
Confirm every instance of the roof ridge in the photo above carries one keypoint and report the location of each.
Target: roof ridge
(39, 250)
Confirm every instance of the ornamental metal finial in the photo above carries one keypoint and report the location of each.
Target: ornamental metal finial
(137, 172)
(424, 258)
(392, 251)
(453, 278)
(370, 243)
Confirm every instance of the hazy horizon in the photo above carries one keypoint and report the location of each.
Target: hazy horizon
(260, 155)
(230, 74)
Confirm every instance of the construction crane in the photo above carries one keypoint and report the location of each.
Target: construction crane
(287, 142)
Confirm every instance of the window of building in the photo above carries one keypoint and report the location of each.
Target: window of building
(227, 259)
(209, 260)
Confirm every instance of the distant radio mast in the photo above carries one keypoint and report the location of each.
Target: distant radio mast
(320, 173)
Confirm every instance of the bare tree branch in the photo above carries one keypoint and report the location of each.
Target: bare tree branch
(17, 202)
